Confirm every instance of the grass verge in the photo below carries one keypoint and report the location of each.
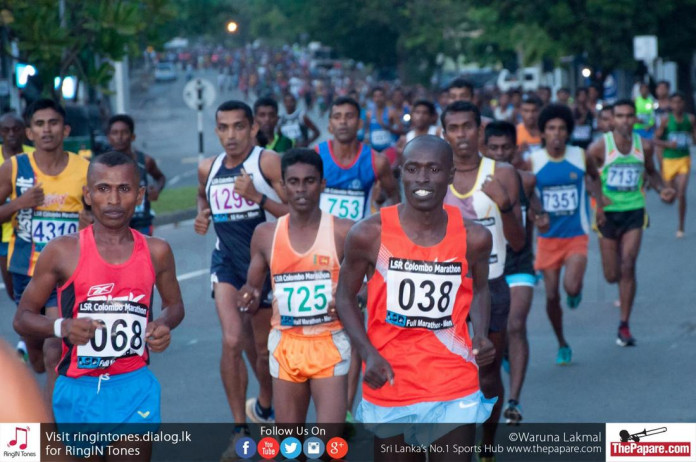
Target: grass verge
(175, 199)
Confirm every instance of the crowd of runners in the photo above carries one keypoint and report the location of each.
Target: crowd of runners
(403, 250)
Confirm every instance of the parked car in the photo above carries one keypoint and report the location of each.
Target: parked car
(165, 72)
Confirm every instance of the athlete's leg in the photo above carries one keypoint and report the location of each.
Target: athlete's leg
(327, 395)
(35, 353)
(609, 249)
(463, 436)
(518, 346)
(6, 278)
(574, 274)
(681, 182)
(553, 303)
(491, 384)
(261, 323)
(353, 377)
(232, 367)
(291, 401)
(630, 246)
(51, 356)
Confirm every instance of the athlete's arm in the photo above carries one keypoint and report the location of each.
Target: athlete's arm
(313, 127)
(594, 186)
(361, 248)
(158, 331)
(366, 126)
(248, 297)
(156, 174)
(478, 251)
(660, 133)
(31, 198)
(341, 228)
(596, 151)
(504, 190)
(270, 168)
(200, 225)
(667, 193)
(386, 179)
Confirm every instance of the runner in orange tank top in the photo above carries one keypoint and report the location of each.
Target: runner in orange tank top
(427, 270)
(309, 351)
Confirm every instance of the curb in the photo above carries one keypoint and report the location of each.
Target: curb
(175, 217)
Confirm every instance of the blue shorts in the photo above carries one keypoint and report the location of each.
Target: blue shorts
(21, 281)
(131, 398)
(224, 269)
(471, 409)
(521, 280)
(647, 134)
(4, 247)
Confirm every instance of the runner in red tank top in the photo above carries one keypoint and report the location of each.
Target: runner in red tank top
(427, 270)
(105, 276)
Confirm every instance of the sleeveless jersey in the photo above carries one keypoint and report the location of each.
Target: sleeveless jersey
(59, 214)
(432, 130)
(418, 300)
(645, 112)
(117, 295)
(522, 261)
(561, 188)
(622, 175)
(292, 126)
(348, 187)
(380, 137)
(143, 216)
(679, 132)
(234, 217)
(304, 284)
(523, 136)
(476, 205)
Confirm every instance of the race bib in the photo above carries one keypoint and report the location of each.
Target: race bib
(292, 131)
(227, 205)
(47, 225)
(644, 118)
(381, 137)
(582, 132)
(122, 332)
(421, 294)
(683, 140)
(303, 298)
(624, 177)
(343, 203)
(561, 200)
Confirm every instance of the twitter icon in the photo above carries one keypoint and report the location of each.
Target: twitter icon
(290, 447)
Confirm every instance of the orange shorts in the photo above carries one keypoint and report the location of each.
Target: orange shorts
(297, 358)
(552, 252)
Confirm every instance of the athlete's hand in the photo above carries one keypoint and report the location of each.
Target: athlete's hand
(79, 331)
(157, 336)
(32, 197)
(483, 350)
(497, 191)
(600, 217)
(248, 299)
(377, 371)
(244, 186)
(332, 310)
(153, 192)
(200, 225)
(606, 201)
(668, 194)
(543, 222)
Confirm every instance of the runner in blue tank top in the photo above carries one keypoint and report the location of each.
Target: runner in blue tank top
(380, 121)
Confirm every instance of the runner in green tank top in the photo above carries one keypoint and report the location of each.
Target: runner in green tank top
(625, 161)
(675, 135)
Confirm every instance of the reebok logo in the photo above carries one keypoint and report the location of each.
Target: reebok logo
(101, 289)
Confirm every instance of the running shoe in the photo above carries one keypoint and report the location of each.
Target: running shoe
(565, 355)
(22, 351)
(513, 413)
(680, 234)
(254, 412)
(574, 301)
(230, 453)
(625, 338)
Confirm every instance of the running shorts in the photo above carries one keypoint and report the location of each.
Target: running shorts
(224, 269)
(21, 281)
(674, 167)
(552, 252)
(619, 223)
(500, 303)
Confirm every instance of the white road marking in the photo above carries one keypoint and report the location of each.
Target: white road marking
(193, 274)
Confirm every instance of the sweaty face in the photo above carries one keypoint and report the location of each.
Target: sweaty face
(555, 136)
(344, 123)
(500, 148)
(303, 186)
(624, 119)
(426, 174)
(47, 130)
(113, 193)
(235, 132)
(266, 118)
(120, 136)
(421, 117)
(460, 94)
(12, 132)
(462, 133)
(530, 114)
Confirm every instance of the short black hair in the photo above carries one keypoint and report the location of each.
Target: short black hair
(235, 105)
(113, 159)
(461, 83)
(266, 101)
(501, 128)
(664, 82)
(607, 107)
(40, 104)
(301, 156)
(557, 111)
(532, 99)
(625, 102)
(376, 88)
(461, 106)
(426, 103)
(125, 118)
(344, 100)
(677, 94)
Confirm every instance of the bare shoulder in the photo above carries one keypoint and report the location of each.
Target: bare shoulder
(528, 179)
(270, 164)
(63, 246)
(478, 238)
(366, 232)
(159, 248)
(205, 166)
(265, 230)
(504, 171)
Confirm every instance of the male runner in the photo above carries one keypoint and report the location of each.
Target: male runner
(238, 189)
(662, 97)
(45, 191)
(645, 112)
(560, 171)
(675, 134)
(460, 90)
(486, 192)
(105, 275)
(296, 124)
(563, 96)
(605, 121)
(266, 117)
(519, 266)
(12, 131)
(381, 120)
(584, 119)
(625, 161)
(528, 135)
(310, 352)
(423, 122)
(121, 134)
(427, 270)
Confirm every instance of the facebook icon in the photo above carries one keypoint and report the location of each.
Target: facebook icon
(245, 447)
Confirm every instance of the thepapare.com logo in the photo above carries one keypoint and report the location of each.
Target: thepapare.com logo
(650, 441)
